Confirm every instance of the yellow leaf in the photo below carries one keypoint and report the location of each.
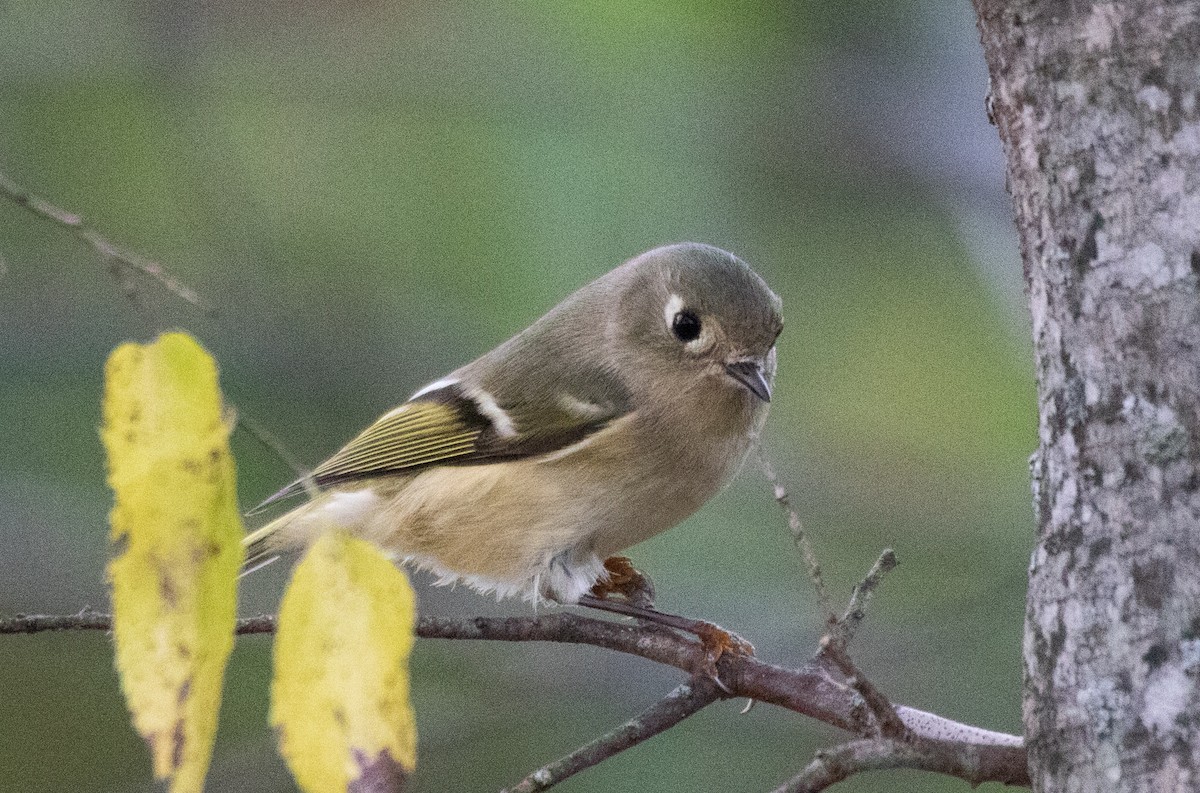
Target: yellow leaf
(176, 534)
(339, 700)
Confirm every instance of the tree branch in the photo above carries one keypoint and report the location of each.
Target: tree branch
(843, 632)
(687, 699)
(889, 723)
(831, 766)
(811, 690)
(119, 258)
(799, 536)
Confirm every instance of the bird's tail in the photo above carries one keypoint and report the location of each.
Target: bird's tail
(290, 530)
(294, 529)
(262, 546)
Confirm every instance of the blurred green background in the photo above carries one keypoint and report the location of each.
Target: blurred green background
(372, 193)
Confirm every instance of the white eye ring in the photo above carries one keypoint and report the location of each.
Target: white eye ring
(673, 307)
(703, 342)
(682, 321)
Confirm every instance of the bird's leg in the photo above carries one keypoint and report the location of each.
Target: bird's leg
(637, 593)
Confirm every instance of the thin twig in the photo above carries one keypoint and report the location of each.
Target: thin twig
(88, 620)
(124, 260)
(271, 443)
(845, 628)
(888, 723)
(684, 701)
(799, 536)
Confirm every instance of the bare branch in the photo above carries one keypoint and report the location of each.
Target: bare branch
(271, 443)
(122, 264)
(843, 632)
(799, 536)
(809, 690)
(88, 620)
(85, 620)
(121, 261)
(888, 724)
(831, 766)
(687, 699)
(833, 651)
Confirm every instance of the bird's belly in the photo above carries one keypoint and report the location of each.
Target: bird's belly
(495, 525)
(502, 526)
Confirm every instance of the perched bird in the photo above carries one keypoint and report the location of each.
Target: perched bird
(609, 420)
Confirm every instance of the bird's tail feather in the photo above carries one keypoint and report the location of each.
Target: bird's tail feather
(262, 545)
(294, 529)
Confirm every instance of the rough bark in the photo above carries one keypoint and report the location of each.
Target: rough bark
(1097, 107)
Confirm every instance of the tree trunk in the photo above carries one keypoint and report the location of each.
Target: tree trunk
(1097, 107)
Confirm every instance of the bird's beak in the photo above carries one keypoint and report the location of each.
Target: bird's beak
(750, 374)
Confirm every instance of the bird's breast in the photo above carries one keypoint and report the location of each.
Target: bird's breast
(646, 474)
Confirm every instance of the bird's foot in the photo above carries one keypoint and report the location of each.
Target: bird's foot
(716, 642)
(628, 591)
(624, 581)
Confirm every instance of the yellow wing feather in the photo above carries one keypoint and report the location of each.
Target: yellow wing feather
(412, 435)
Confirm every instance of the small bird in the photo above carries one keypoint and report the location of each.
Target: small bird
(609, 420)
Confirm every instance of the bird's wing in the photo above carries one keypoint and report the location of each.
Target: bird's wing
(451, 425)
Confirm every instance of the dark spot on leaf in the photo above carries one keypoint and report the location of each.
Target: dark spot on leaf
(1155, 76)
(1195, 261)
(381, 775)
(185, 690)
(214, 456)
(177, 745)
(339, 716)
(166, 589)
(1152, 582)
(1156, 656)
(190, 466)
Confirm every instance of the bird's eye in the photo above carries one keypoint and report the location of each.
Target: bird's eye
(686, 326)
